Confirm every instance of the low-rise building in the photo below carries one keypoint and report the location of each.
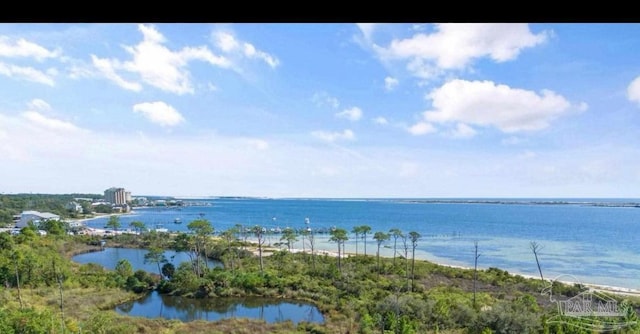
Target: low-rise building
(74, 207)
(35, 217)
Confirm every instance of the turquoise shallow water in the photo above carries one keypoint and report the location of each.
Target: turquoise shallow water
(592, 240)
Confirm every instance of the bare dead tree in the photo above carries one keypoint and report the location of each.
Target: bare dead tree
(535, 247)
(15, 263)
(475, 271)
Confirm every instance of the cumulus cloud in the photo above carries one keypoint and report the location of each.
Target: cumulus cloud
(159, 112)
(229, 44)
(108, 68)
(366, 29)
(334, 136)
(24, 48)
(38, 104)
(456, 45)
(352, 114)
(40, 120)
(390, 83)
(157, 65)
(421, 128)
(26, 73)
(321, 99)
(633, 91)
(485, 103)
(380, 120)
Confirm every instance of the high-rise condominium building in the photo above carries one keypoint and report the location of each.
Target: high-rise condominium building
(117, 196)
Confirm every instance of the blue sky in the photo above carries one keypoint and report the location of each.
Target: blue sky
(321, 110)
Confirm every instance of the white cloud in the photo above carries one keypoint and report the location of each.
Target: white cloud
(159, 113)
(157, 65)
(463, 131)
(456, 45)
(107, 67)
(49, 123)
(352, 114)
(321, 99)
(633, 91)
(334, 136)
(485, 103)
(367, 30)
(26, 73)
(229, 44)
(38, 104)
(212, 87)
(421, 128)
(390, 83)
(380, 120)
(24, 48)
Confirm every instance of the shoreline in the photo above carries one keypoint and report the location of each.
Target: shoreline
(321, 249)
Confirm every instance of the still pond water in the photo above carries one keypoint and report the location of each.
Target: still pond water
(155, 305)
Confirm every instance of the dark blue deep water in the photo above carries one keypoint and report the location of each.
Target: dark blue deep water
(591, 240)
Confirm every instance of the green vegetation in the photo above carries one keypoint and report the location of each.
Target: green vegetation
(14, 204)
(43, 291)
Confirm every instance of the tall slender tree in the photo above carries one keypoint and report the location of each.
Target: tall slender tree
(380, 237)
(156, 255)
(357, 230)
(475, 271)
(415, 236)
(202, 229)
(289, 236)
(339, 236)
(229, 236)
(312, 244)
(405, 246)
(395, 233)
(535, 247)
(365, 230)
(259, 231)
(114, 223)
(138, 227)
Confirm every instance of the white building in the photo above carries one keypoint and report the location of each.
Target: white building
(74, 207)
(36, 217)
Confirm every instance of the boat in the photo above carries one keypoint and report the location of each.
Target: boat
(177, 221)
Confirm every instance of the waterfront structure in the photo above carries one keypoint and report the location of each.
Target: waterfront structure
(116, 196)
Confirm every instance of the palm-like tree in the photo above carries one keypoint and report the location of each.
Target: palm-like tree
(339, 236)
(357, 230)
(395, 233)
(258, 231)
(380, 237)
(364, 230)
(414, 243)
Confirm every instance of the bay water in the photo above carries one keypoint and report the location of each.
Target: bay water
(593, 241)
